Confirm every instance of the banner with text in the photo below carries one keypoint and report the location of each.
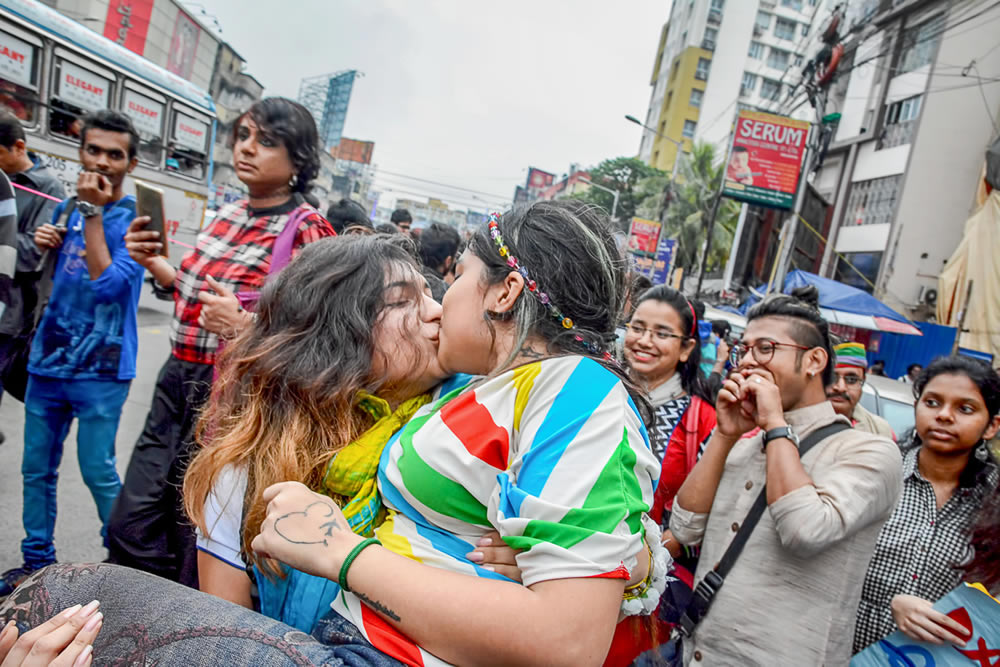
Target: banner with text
(765, 159)
(17, 60)
(655, 267)
(82, 87)
(128, 22)
(643, 236)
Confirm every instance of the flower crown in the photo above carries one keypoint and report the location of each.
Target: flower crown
(543, 297)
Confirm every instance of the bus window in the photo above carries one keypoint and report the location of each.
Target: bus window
(187, 151)
(77, 92)
(19, 65)
(147, 115)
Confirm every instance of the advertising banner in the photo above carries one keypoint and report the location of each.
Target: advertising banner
(664, 261)
(82, 87)
(765, 159)
(146, 113)
(190, 133)
(128, 22)
(643, 236)
(183, 46)
(17, 59)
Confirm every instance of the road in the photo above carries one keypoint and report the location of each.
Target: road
(77, 536)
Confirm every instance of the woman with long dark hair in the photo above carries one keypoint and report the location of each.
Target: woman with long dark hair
(948, 473)
(276, 155)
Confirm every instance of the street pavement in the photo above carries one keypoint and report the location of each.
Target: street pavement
(77, 536)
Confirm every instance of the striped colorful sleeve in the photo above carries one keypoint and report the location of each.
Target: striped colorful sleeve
(581, 477)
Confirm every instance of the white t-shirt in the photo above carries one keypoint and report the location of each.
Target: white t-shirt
(224, 516)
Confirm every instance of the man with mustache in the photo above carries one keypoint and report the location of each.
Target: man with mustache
(845, 392)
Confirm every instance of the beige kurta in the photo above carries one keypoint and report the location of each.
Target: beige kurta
(866, 421)
(792, 597)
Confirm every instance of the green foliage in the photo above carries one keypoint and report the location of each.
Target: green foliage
(634, 180)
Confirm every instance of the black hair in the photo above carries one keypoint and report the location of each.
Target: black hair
(437, 243)
(981, 374)
(801, 310)
(111, 121)
(569, 249)
(690, 370)
(740, 149)
(699, 308)
(878, 361)
(293, 125)
(986, 545)
(311, 199)
(640, 283)
(347, 213)
(401, 215)
(909, 369)
(10, 129)
(721, 328)
(388, 228)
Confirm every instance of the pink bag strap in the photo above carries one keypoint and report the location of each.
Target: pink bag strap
(282, 252)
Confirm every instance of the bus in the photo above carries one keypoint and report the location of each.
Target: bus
(53, 71)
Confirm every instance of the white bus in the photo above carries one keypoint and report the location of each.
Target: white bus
(53, 71)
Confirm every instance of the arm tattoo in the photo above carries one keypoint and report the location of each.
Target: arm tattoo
(377, 606)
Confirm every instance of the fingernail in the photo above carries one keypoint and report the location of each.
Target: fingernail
(89, 609)
(72, 610)
(93, 622)
(484, 542)
(84, 656)
(476, 557)
(489, 567)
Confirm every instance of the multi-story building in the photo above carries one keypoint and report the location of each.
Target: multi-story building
(327, 97)
(716, 57)
(234, 91)
(919, 103)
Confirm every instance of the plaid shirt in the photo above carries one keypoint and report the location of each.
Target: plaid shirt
(235, 250)
(921, 548)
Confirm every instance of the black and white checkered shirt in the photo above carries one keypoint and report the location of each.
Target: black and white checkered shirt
(921, 549)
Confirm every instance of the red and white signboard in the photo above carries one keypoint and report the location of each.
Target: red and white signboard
(17, 59)
(146, 113)
(82, 87)
(128, 22)
(765, 160)
(190, 133)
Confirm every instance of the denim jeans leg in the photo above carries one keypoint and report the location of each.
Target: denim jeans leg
(47, 417)
(97, 405)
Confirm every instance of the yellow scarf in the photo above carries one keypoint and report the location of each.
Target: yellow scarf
(350, 476)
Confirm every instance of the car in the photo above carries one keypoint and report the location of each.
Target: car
(891, 400)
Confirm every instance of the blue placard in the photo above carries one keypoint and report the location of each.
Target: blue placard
(664, 260)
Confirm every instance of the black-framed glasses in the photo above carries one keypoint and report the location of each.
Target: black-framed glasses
(658, 333)
(763, 350)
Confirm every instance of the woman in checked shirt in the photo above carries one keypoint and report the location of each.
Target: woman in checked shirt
(948, 472)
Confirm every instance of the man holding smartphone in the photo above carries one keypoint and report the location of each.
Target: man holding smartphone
(791, 595)
(83, 354)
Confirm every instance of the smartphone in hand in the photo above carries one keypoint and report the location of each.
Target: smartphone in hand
(149, 202)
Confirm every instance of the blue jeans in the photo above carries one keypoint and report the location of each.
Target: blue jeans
(50, 406)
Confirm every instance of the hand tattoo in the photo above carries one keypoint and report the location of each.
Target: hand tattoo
(330, 526)
(377, 606)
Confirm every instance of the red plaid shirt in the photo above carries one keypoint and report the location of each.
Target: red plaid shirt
(235, 250)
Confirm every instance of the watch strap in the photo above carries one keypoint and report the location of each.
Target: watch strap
(780, 432)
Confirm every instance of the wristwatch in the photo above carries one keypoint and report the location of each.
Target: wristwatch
(780, 432)
(87, 209)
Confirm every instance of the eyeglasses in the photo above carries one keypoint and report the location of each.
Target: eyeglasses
(849, 380)
(658, 333)
(763, 351)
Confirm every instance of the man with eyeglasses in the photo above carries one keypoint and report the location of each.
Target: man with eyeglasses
(790, 596)
(845, 392)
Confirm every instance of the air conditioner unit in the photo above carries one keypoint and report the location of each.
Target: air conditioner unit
(928, 296)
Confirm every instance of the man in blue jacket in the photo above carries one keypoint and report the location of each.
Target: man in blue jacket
(83, 354)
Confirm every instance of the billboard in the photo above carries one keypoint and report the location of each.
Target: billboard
(128, 22)
(353, 150)
(183, 46)
(765, 159)
(643, 236)
(655, 267)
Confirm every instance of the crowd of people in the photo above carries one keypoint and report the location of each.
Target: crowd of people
(391, 445)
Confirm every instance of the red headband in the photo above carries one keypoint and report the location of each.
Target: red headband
(694, 319)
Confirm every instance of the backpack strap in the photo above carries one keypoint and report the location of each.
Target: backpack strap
(708, 587)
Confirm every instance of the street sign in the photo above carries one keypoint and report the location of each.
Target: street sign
(766, 159)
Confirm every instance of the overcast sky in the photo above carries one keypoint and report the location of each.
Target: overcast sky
(468, 93)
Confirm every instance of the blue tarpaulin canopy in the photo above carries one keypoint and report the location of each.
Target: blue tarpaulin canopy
(843, 304)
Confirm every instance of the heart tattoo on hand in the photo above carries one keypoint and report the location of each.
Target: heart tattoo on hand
(299, 527)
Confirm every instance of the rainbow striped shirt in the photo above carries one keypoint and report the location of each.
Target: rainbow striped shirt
(553, 455)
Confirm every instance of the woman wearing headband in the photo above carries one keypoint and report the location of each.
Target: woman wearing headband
(548, 448)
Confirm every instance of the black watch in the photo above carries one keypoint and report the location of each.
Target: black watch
(87, 210)
(780, 432)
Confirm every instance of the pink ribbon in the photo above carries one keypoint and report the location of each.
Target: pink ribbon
(51, 198)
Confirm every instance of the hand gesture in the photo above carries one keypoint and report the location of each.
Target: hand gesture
(143, 245)
(760, 388)
(49, 236)
(305, 530)
(735, 411)
(94, 188)
(918, 619)
(65, 640)
(221, 312)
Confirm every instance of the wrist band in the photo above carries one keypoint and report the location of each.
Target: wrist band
(361, 546)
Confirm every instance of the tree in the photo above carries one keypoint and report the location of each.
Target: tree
(698, 182)
(632, 178)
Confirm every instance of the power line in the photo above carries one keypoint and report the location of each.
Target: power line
(447, 185)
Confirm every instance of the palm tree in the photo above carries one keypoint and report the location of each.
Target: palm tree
(698, 182)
